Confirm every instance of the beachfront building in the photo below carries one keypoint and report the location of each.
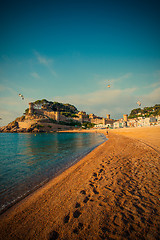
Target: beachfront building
(153, 120)
(137, 122)
(132, 123)
(102, 126)
(143, 122)
(119, 124)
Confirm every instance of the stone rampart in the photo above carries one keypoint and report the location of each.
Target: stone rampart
(27, 123)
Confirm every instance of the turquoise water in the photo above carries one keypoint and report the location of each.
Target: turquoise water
(27, 161)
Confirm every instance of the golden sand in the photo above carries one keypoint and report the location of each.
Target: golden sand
(112, 193)
(150, 135)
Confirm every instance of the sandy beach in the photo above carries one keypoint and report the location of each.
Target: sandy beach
(112, 193)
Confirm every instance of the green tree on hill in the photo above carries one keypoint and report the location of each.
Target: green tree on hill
(65, 109)
(145, 112)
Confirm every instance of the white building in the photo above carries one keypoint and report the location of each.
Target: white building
(119, 124)
(137, 122)
(103, 126)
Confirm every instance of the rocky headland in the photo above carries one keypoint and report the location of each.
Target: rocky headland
(34, 124)
(44, 116)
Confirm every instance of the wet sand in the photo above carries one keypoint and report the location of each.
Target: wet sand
(112, 193)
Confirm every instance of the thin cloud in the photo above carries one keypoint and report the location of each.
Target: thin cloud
(152, 98)
(5, 89)
(153, 85)
(35, 75)
(47, 62)
(102, 102)
(113, 80)
(43, 60)
(101, 96)
(115, 102)
(156, 84)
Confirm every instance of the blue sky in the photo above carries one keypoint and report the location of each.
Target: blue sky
(68, 50)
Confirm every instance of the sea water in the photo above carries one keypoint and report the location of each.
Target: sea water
(27, 161)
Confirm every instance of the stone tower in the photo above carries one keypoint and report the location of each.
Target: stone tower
(31, 108)
(108, 116)
(104, 121)
(57, 116)
(125, 117)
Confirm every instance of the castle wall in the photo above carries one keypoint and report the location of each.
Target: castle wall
(50, 114)
(96, 121)
(27, 123)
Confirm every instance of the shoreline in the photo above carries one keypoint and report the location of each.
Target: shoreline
(78, 158)
(112, 182)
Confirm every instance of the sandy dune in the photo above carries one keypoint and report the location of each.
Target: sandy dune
(112, 193)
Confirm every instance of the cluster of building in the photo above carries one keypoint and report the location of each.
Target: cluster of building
(80, 116)
(99, 122)
(136, 122)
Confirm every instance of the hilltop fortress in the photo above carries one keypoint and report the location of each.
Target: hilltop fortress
(42, 118)
(80, 117)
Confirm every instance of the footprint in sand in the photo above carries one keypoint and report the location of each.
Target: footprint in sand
(75, 230)
(53, 235)
(76, 214)
(100, 178)
(105, 229)
(86, 199)
(66, 218)
(95, 191)
(77, 205)
(83, 192)
(80, 227)
(96, 179)
(138, 208)
(94, 174)
(102, 165)
(91, 184)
